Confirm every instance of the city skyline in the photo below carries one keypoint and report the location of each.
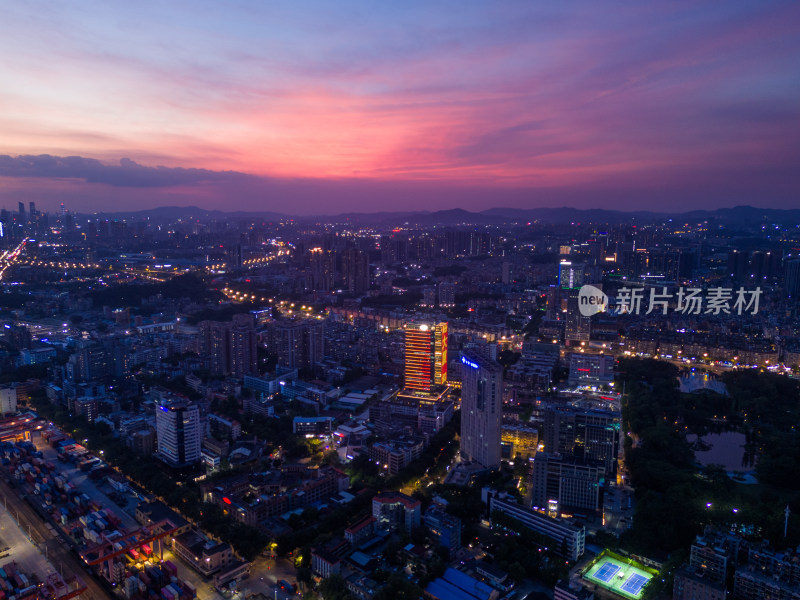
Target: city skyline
(329, 109)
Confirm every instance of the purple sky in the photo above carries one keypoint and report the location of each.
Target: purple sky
(305, 107)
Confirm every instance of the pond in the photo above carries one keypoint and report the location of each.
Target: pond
(726, 449)
(697, 380)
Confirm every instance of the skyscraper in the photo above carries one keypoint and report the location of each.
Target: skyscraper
(179, 431)
(243, 353)
(791, 276)
(230, 346)
(590, 435)
(447, 294)
(560, 484)
(481, 409)
(300, 344)
(425, 356)
(570, 275)
(355, 271)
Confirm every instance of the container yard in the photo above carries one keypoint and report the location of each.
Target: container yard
(128, 561)
(15, 584)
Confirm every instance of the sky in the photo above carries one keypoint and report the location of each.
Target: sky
(329, 107)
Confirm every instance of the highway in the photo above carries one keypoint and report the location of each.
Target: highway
(9, 257)
(54, 547)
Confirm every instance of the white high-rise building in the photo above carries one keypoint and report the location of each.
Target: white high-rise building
(481, 409)
(179, 431)
(8, 400)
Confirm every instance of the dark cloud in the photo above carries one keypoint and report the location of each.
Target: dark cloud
(127, 174)
(86, 184)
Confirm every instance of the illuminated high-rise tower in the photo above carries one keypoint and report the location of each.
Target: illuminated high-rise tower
(426, 356)
(481, 409)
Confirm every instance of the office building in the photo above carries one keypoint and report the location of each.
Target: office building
(444, 528)
(564, 486)
(425, 356)
(91, 361)
(394, 511)
(520, 438)
(571, 537)
(590, 369)
(481, 410)
(589, 435)
(394, 455)
(426, 412)
(179, 432)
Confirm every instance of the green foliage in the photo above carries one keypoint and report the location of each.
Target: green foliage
(182, 286)
(508, 357)
(408, 299)
(398, 588)
(672, 492)
(23, 373)
(334, 588)
(449, 270)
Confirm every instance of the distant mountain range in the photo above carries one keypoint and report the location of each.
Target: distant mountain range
(739, 215)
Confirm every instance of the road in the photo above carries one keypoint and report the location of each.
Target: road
(20, 548)
(9, 257)
(53, 545)
(264, 575)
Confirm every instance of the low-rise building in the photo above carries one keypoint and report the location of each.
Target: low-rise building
(202, 554)
(360, 531)
(695, 584)
(150, 513)
(312, 425)
(326, 560)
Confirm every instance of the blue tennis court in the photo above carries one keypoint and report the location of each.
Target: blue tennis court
(606, 572)
(634, 584)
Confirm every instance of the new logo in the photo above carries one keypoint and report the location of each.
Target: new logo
(591, 300)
